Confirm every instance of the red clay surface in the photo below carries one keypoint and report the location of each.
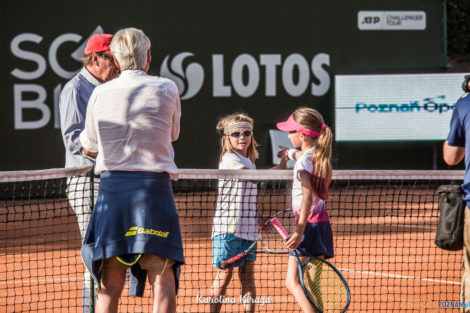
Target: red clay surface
(389, 260)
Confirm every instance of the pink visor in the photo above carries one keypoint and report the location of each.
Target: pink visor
(292, 125)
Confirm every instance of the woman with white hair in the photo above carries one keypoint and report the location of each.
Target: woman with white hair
(130, 126)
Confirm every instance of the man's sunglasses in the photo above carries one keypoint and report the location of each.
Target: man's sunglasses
(245, 133)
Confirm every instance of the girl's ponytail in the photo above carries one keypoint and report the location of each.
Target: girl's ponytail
(321, 159)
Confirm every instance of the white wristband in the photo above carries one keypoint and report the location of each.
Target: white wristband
(291, 154)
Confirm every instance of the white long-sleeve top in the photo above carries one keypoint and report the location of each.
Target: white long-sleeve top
(131, 122)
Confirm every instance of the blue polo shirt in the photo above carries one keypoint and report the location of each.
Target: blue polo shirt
(459, 136)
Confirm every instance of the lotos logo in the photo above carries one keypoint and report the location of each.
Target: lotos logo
(188, 80)
(247, 72)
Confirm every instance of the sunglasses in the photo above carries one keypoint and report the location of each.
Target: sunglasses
(245, 133)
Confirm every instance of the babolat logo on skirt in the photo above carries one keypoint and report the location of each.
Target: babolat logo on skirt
(140, 230)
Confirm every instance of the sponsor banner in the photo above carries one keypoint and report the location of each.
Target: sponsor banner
(395, 107)
(299, 75)
(255, 68)
(391, 20)
(275, 61)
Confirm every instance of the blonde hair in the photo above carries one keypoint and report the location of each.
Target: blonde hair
(225, 144)
(130, 47)
(322, 149)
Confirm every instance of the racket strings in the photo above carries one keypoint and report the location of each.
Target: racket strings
(271, 239)
(324, 286)
(313, 283)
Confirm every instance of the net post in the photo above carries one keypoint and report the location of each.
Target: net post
(92, 205)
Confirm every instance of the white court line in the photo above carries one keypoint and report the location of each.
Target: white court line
(37, 281)
(401, 276)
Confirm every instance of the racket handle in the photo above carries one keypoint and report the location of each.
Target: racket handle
(232, 260)
(282, 231)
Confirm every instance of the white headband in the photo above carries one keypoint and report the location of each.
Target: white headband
(237, 125)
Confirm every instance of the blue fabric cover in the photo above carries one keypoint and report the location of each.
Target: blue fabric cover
(135, 213)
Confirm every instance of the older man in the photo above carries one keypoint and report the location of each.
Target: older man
(98, 68)
(456, 147)
(130, 126)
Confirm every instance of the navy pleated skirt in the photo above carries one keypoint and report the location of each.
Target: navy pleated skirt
(317, 240)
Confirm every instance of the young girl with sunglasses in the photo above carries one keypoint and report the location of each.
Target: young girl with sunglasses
(312, 176)
(236, 220)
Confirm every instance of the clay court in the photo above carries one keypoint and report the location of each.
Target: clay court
(384, 245)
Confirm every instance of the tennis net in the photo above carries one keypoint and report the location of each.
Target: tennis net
(383, 223)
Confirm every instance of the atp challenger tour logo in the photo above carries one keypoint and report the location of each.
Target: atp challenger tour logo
(245, 75)
(391, 20)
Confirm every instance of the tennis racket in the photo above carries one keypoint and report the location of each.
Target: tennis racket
(323, 285)
(268, 236)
